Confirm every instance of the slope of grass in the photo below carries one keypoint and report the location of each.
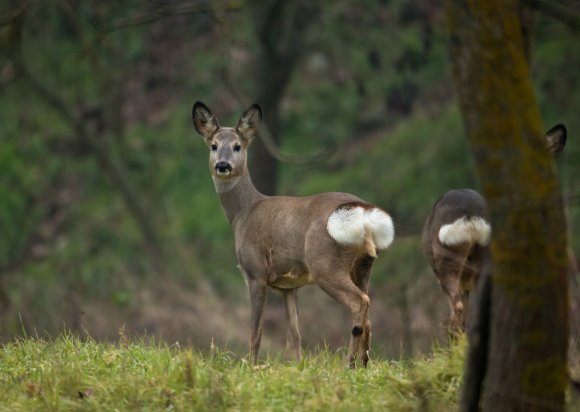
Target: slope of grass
(67, 373)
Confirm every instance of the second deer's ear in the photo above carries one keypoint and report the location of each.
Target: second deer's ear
(556, 139)
(249, 122)
(204, 121)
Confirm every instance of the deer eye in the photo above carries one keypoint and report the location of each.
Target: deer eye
(214, 147)
(237, 147)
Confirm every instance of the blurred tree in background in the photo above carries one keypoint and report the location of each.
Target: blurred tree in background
(280, 29)
(108, 215)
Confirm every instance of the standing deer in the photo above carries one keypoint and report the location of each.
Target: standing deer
(282, 242)
(456, 236)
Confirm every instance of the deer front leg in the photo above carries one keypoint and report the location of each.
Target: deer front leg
(293, 335)
(257, 302)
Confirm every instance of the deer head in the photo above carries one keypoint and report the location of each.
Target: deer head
(228, 146)
(556, 139)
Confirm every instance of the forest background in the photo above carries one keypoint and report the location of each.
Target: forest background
(108, 216)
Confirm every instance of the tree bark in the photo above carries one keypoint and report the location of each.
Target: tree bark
(526, 364)
(274, 77)
(478, 349)
(281, 28)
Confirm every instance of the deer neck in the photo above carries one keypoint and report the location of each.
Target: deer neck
(237, 195)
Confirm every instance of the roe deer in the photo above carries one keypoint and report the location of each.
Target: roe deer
(282, 242)
(456, 236)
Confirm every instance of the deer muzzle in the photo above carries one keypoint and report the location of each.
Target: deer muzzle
(223, 168)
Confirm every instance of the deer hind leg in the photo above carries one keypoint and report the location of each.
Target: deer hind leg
(342, 289)
(451, 287)
(365, 348)
(293, 336)
(458, 318)
(361, 276)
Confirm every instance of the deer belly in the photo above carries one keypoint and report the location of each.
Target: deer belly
(290, 280)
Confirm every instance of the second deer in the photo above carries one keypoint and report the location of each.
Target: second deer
(456, 236)
(283, 243)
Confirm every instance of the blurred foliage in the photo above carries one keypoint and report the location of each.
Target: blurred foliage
(374, 85)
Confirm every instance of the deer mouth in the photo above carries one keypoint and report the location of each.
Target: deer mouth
(223, 175)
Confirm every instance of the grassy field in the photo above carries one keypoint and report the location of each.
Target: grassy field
(71, 374)
(68, 373)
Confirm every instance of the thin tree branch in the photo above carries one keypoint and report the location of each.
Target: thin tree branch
(8, 17)
(265, 35)
(553, 8)
(158, 13)
(112, 170)
(266, 137)
(45, 229)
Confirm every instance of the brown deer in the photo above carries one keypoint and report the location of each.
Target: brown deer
(282, 242)
(456, 236)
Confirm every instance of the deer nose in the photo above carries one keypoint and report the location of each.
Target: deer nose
(223, 167)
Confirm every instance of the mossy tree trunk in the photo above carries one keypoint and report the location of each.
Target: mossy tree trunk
(526, 363)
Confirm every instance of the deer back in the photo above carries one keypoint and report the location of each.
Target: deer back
(285, 229)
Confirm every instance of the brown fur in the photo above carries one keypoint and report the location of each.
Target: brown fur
(282, 242)
(458, 267)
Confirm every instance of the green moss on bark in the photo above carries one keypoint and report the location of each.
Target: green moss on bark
(529, 317)
(545, 377)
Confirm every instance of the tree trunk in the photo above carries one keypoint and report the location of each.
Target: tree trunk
(281, 28)
(274, 76)
(526, 365)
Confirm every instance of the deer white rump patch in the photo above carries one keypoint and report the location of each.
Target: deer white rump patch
(348, 226)
(464, 230)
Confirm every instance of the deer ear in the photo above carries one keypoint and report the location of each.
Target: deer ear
(556, 139)
(204, 121)
(249, 122)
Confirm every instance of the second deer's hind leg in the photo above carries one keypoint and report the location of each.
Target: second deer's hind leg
(451, 286)
(361, 276)
(340, 287)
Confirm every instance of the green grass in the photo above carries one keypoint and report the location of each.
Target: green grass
(71, 374)
(68, 373)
